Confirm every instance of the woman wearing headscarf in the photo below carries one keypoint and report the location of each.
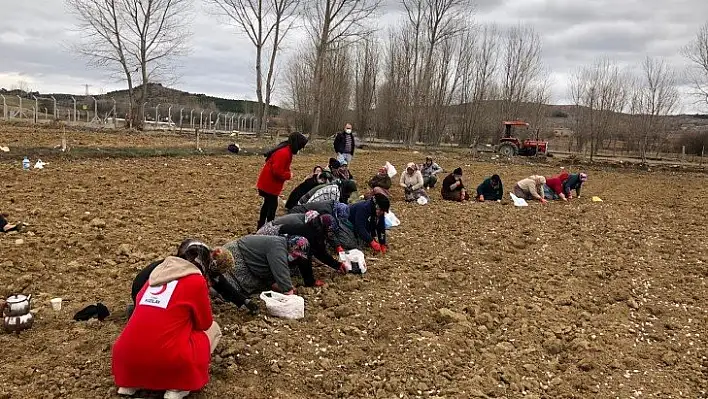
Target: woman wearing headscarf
(452, 187)
(429, 171)
(168, 341)
(318, 229)
(307, 185)
(531, 188)
(275, 172)
(575, 182)
(553, 189)
(491, 189)
(262, 263)
(344, 235)
(380, 183)
(367, 219)
(343, 171)
(412, 183)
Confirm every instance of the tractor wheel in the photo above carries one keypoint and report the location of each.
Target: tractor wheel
(507, 150)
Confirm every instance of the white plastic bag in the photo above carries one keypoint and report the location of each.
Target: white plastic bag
(285, 306)
(390, 220)
(354, 261)
(390, 169)
(518, 201)
(39, 164)
(422, 200)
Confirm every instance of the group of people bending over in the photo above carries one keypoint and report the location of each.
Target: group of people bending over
(167, 342)
(544, 189)
(417, 179)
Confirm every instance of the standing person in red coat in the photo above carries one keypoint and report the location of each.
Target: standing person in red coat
(275, 173)
(168, 341)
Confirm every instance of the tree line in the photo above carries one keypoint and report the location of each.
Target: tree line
(434, 76)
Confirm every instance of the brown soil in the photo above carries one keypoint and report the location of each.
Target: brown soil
(474, 300)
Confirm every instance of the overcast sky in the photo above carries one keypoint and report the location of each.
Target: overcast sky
(35, 37)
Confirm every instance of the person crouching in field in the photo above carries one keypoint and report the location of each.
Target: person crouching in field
(262, 262)
(531, 188)
(222, 261)
(575, 182)
(412, 183)
(553, 189)
(430, 170)
(367, 219)
(452, 187)
(380, 183)
(275, 172)
(316, 179)
(491, 189)
(318, 230)
(340, 190)
(168, 341)
(344, 235)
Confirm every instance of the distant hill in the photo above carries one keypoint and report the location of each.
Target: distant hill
(158, 94)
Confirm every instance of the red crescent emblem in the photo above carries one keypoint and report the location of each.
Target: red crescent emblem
(162, 289)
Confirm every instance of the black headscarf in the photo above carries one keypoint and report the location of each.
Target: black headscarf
(296, 141)
(496, 179)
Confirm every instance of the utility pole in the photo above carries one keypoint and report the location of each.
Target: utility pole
(87, 89)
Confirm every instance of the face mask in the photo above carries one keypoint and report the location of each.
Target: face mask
(348, 130)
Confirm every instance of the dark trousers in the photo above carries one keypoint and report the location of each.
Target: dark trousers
(270, 205)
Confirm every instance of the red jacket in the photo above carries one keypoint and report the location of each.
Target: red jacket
(276, 171)
(164, 346)
(555, 183)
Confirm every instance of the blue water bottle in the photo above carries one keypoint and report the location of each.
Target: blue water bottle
(26, 164)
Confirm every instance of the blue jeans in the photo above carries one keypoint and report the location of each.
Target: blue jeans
(344, 157)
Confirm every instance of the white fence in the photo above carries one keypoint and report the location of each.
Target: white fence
(103, 112)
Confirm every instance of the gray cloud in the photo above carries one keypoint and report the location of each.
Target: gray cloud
(35, 36)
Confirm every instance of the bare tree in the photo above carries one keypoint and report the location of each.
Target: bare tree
(697, 52)
(432, 24)
(655, 97)
(477, 62)
(266, 23)
(336, 86)
(365, 79)
(136, 39)
(600, 93)
(521, 65)
(331, 23)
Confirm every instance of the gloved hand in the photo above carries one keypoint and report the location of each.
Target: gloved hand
(384, 248)
(342, 269)
(543, 201)
(375, 246)
(319, 283)
(291, 292)
(340, 249)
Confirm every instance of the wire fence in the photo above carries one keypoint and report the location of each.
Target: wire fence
(108, 112)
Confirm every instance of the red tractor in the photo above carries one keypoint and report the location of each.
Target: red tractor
(510, 145)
